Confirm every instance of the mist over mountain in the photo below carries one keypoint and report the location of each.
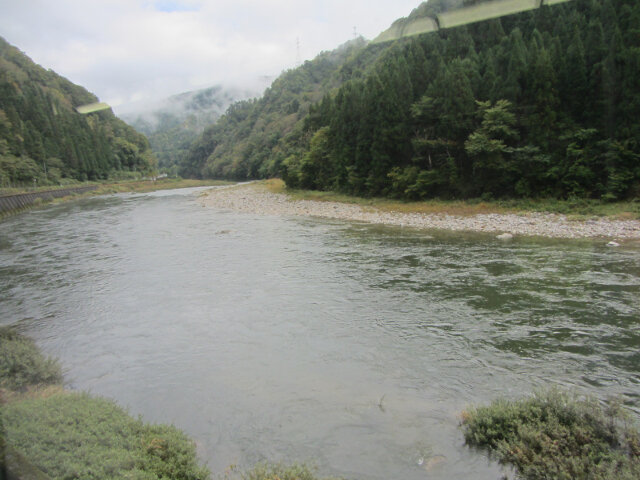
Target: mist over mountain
(172, 124)
(254, 136)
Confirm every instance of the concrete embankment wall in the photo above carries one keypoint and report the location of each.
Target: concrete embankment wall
(14, 203)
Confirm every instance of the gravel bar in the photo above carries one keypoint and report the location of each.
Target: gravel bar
(252, 198)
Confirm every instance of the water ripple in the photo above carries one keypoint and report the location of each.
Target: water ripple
(351, 345)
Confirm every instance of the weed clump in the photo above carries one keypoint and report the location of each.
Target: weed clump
(22, 365)
(46, 432)
(70, 435)
(555, 435)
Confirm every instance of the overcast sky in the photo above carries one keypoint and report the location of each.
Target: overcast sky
(138, 50)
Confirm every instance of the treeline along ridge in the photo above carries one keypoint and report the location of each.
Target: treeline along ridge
(544, 103)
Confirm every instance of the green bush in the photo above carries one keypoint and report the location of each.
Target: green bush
(22, 364)
(555, 435)
(70, 436)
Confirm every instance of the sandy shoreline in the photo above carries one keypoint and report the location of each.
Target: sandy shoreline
(253, 198)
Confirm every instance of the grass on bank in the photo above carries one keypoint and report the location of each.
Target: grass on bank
(22, 365)
(50, 433)
(71, 435)
(138, 186)
(578, 208)
(556, 435)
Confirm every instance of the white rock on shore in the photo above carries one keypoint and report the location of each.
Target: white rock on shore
(505, 236)
(252, 199)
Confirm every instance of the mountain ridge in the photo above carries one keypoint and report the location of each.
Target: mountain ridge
(542, 103)
(173, 123)
(252, 131)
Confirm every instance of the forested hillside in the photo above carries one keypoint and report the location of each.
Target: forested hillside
(173, 124)
(253, 138)
(541, 103)
(43, 137)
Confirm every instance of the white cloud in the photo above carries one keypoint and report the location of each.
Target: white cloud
(123, 50)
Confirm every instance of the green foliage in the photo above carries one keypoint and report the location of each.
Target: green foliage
(76, 436)
(22, 364)
(410, 119)
(486, 146)
(254, 137)
(556, 435)
(18, 170)
(38, 121)
(315, 168)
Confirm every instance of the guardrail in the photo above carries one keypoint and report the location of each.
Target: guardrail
(14, 203)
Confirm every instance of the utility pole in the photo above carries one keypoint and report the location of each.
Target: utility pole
(298, 57)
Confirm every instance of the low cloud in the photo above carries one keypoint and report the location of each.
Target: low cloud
(132, 50)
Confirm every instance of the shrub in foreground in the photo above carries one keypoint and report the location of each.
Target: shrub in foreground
(22, 364)
(72, 435)
(555, 435)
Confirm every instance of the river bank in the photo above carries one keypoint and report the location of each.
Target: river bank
(256, 198)
(49, 432)
(14, 201)
(145, 186)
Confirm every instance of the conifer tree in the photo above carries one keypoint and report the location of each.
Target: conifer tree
(574, 79)
(543, 93)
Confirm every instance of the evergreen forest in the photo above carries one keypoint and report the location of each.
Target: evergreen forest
(254, 136)
(44, 140)
(545, 103)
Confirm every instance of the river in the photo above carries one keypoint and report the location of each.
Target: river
(350, 346)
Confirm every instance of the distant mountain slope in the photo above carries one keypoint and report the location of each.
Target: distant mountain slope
(540, 103)
(43, 137)
(254, 136)
(174, 123)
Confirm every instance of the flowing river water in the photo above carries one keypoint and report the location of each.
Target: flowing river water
(349, 346)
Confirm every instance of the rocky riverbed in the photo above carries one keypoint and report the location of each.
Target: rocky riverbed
(254, 198)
